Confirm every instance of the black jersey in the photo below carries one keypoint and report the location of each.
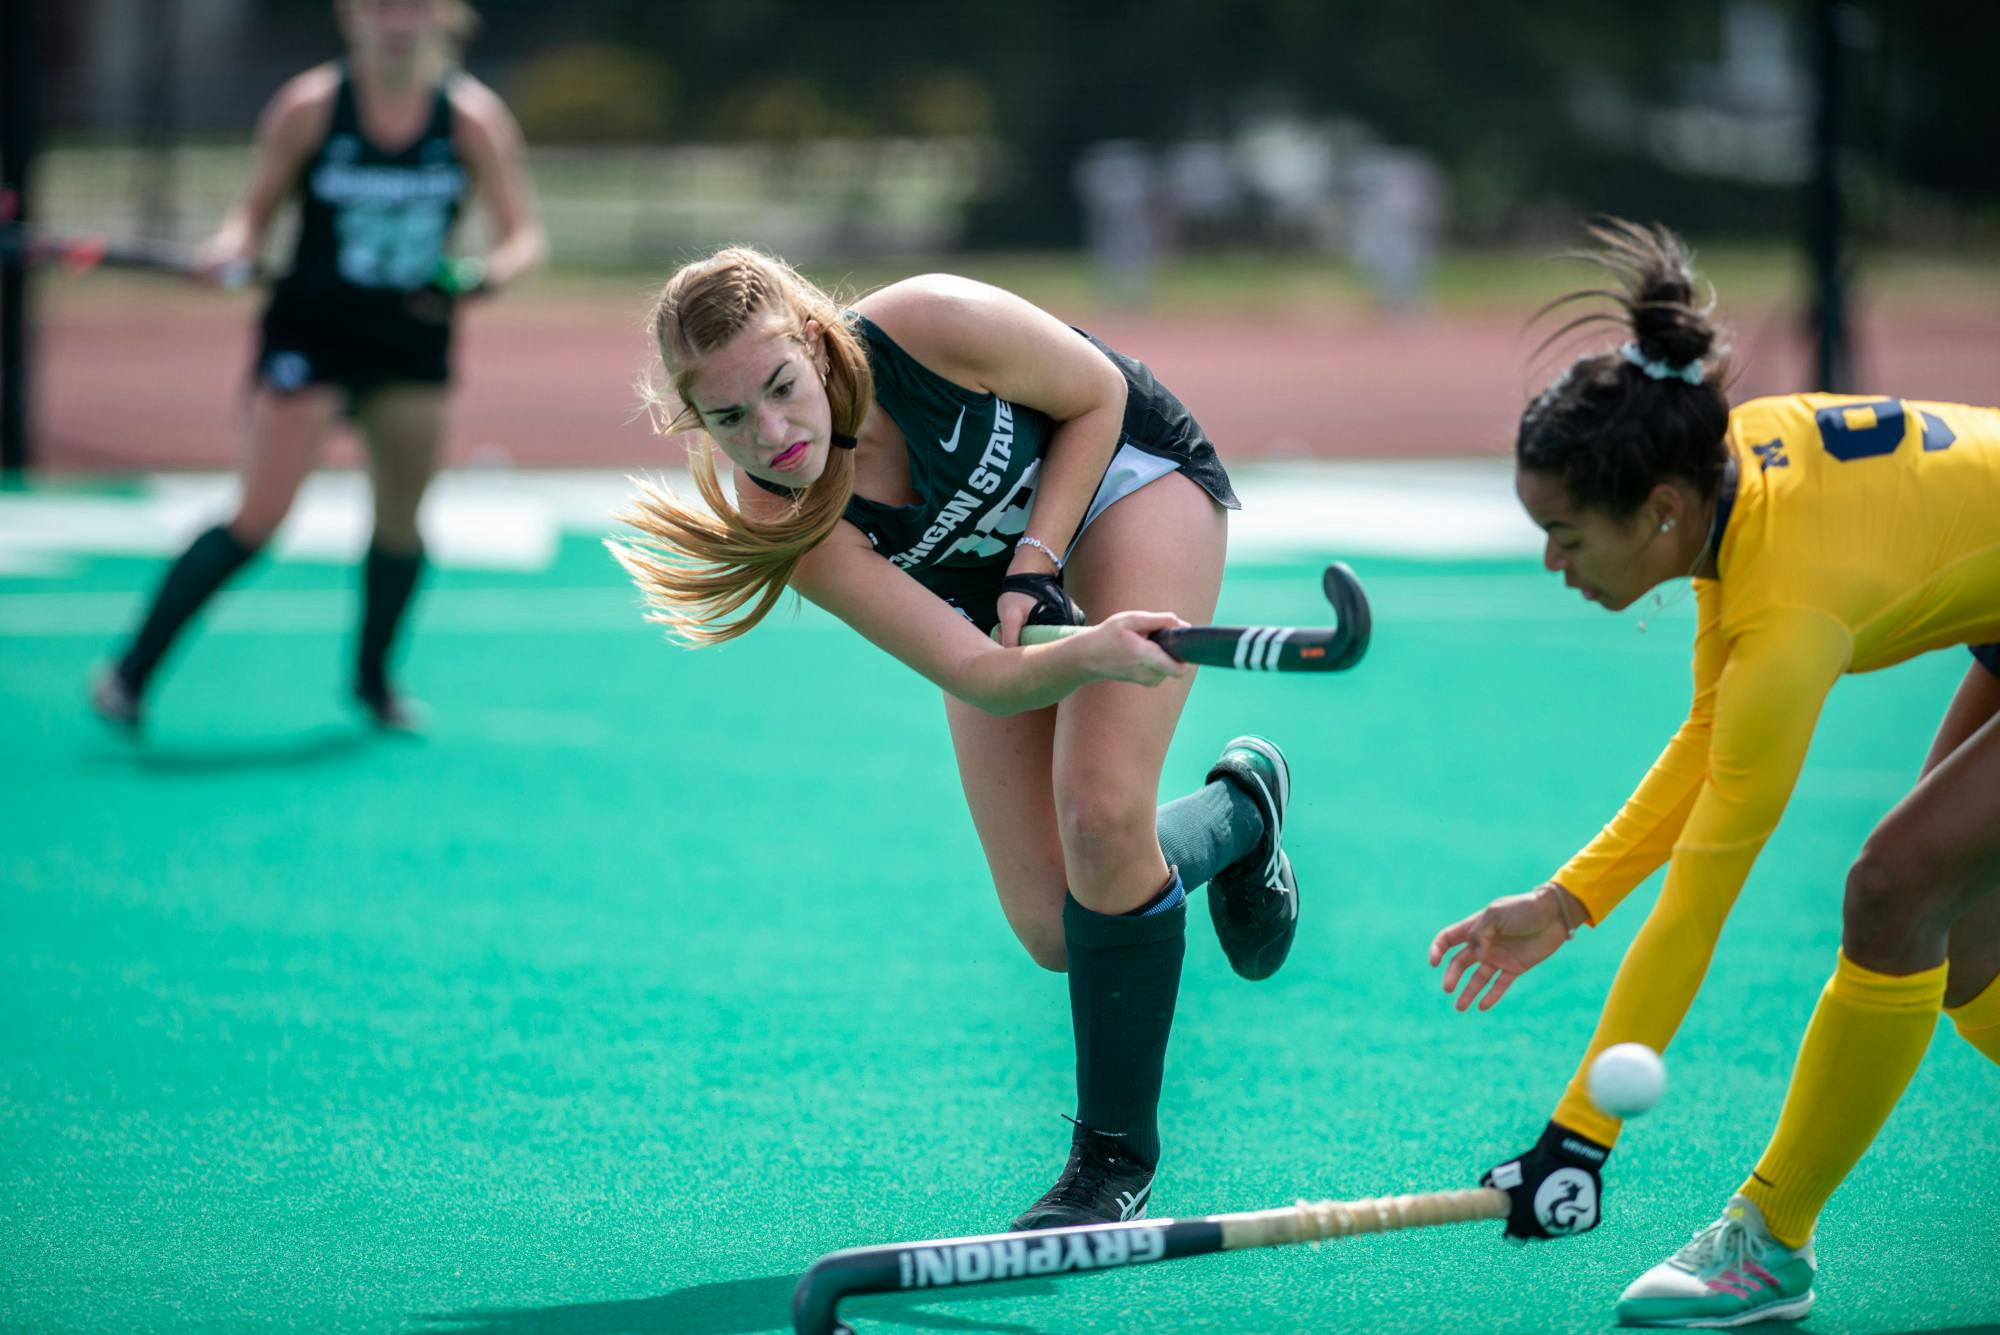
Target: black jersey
(372, 221)
(974, 463)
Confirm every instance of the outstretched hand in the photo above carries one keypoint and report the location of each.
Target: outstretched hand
(1504, 940)
(223, 260)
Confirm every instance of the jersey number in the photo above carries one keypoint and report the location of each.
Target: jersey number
(391, 245)
(1881, 434)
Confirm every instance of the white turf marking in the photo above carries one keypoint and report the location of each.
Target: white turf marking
(486, 520)
(1483, 599)
(501, 520)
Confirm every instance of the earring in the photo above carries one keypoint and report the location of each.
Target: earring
(1666, 526)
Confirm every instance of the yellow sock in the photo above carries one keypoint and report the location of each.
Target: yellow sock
(1867, 1036)
(1978, 1020)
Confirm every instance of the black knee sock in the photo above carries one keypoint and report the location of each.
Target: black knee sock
(389, 579)
(1124, 975)
(1208, 829)
(203, 568)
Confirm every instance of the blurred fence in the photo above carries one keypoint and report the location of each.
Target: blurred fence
(886, 124)
(615, 206)
(1366, 140)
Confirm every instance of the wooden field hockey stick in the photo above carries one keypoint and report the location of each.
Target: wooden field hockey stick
(1265, 648)
(913, 1267)
(80, 253)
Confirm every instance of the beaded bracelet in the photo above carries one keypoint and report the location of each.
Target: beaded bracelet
(1029, 540)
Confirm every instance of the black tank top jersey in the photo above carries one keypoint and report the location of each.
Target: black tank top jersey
(974, 461)
(371, 221)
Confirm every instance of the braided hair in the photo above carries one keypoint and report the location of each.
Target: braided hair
(1616, 424)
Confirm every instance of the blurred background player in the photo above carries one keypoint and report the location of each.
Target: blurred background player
(1826, 534)
(940, 461)
(383, 148)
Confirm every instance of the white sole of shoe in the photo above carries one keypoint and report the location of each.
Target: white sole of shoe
(1281, 800)
(1278, 763)
(1790, 1311)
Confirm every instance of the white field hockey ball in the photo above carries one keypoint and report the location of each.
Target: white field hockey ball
(1627, 1079)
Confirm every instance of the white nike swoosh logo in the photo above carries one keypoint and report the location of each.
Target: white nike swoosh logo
(950, 444)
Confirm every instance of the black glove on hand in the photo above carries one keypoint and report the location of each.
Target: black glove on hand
(1553, 1190)
(1053, 607)
(454, 278)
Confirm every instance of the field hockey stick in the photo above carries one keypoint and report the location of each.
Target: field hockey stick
(1265, 648)
(917, 1266)
(80, 253)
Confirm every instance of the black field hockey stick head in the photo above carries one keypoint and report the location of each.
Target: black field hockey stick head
(1353, 624)
(914, 1267)
(953, 1262)
(1266, 648)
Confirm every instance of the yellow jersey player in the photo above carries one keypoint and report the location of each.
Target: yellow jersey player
(1826, 534)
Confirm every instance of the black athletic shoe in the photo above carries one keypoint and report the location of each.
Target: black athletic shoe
(1101, 1184)
(1255, 900)
(390, 711)
(114, 701)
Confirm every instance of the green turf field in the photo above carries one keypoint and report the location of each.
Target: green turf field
(652, 975)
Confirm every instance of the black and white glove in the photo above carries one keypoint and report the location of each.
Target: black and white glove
(1554, 1189)
(1053, 606)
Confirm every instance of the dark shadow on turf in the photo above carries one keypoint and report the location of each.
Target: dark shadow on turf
(727, 1307)
(297, 751)
(1806, 1328)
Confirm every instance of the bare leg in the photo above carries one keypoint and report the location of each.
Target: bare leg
(404, 429)
(1065, 800)
(1973, 951)
(1005, 765)
(1125, 922)
(1008, 766)
(1935, 859)
(1160, 549)
(286, 433)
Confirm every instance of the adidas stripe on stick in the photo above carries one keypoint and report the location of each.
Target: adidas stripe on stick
(1265, 648)
(955, 1262)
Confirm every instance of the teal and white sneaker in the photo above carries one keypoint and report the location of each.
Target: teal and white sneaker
(1732, 1273)
(1255, 900)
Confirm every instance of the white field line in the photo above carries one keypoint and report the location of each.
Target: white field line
(497, 520)
(1497, 598)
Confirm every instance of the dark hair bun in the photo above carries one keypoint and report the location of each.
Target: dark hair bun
(1656, 274)
(1612, 429)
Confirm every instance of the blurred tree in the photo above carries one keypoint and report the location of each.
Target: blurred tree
(786, 109)
(1932, 66)
(940, 103)
(592, 92)
(1510, 99)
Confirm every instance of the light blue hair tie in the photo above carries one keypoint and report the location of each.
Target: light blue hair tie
(1662, 370)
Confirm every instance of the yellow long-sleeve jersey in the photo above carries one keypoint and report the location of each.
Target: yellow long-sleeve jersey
(1854, 533)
